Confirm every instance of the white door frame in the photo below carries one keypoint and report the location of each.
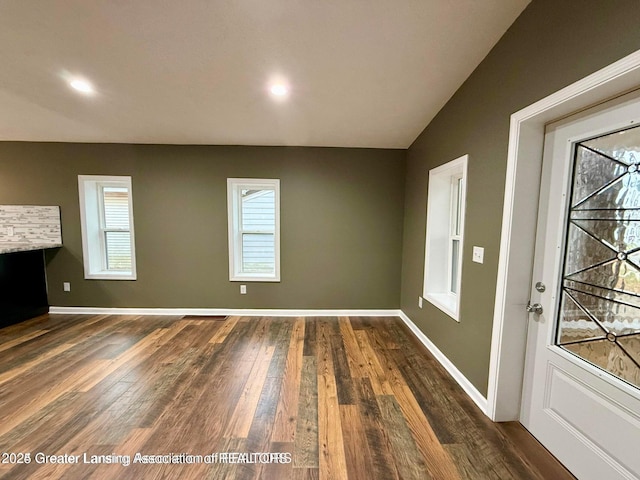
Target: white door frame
(519, 217)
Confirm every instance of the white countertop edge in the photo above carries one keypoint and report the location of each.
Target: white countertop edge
(25, 247)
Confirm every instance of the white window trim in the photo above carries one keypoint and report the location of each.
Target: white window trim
(94, 252)
(439, 236)
(234, 186)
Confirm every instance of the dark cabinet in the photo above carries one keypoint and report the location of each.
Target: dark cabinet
(23, 286)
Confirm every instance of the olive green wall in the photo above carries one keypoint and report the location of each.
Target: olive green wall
(341, 222)
(551, 45)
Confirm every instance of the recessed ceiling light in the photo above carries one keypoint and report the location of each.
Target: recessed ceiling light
(279, 90)
(81, 86)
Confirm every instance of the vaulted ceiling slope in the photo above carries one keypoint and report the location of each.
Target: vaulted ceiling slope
(362, 73)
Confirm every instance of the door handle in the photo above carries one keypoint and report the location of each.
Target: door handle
(534, 308)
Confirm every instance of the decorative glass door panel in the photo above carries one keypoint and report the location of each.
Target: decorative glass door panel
(599, 314)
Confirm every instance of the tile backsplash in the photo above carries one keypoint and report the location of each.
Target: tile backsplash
(30, 224)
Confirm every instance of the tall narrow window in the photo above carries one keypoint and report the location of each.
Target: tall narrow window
(455, 232)
(106, 213)
(115, 226)
(444, 236)
(254, 229)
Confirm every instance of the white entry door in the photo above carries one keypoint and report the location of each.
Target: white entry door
(581, 395)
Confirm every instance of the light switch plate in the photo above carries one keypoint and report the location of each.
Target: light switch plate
(66, 286)
(243, 289)
(478, 254)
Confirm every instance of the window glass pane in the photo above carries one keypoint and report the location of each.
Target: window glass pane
(258, 253)
(118, 250)
(116, 207)
(599, 315)
(455, 246)
(458, 207)
(258, 210)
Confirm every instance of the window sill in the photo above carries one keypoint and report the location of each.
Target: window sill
(106, 275)
(254, 278)
(446, 302)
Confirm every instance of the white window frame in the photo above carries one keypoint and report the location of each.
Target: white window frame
(94, 252)
(234, 211)
(446, 197)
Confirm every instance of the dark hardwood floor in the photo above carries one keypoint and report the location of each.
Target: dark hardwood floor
(243, 398)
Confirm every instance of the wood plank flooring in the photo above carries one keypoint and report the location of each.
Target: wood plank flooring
(152, 397)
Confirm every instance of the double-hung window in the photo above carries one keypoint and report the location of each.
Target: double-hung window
(444, 235)
(455, 232)
(254, 229)
(106, 214)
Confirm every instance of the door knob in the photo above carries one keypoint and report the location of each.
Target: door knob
(534, 308)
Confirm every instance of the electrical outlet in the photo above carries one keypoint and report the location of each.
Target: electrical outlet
(243, 289)
(66, 286)
(478, 254)
(420, 302)
(10, 231)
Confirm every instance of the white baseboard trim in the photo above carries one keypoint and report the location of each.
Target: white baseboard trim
(457, 375)
(261, 312)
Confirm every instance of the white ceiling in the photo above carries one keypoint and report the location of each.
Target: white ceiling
(363, 73)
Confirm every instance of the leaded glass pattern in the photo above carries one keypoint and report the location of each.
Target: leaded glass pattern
(599, 310)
